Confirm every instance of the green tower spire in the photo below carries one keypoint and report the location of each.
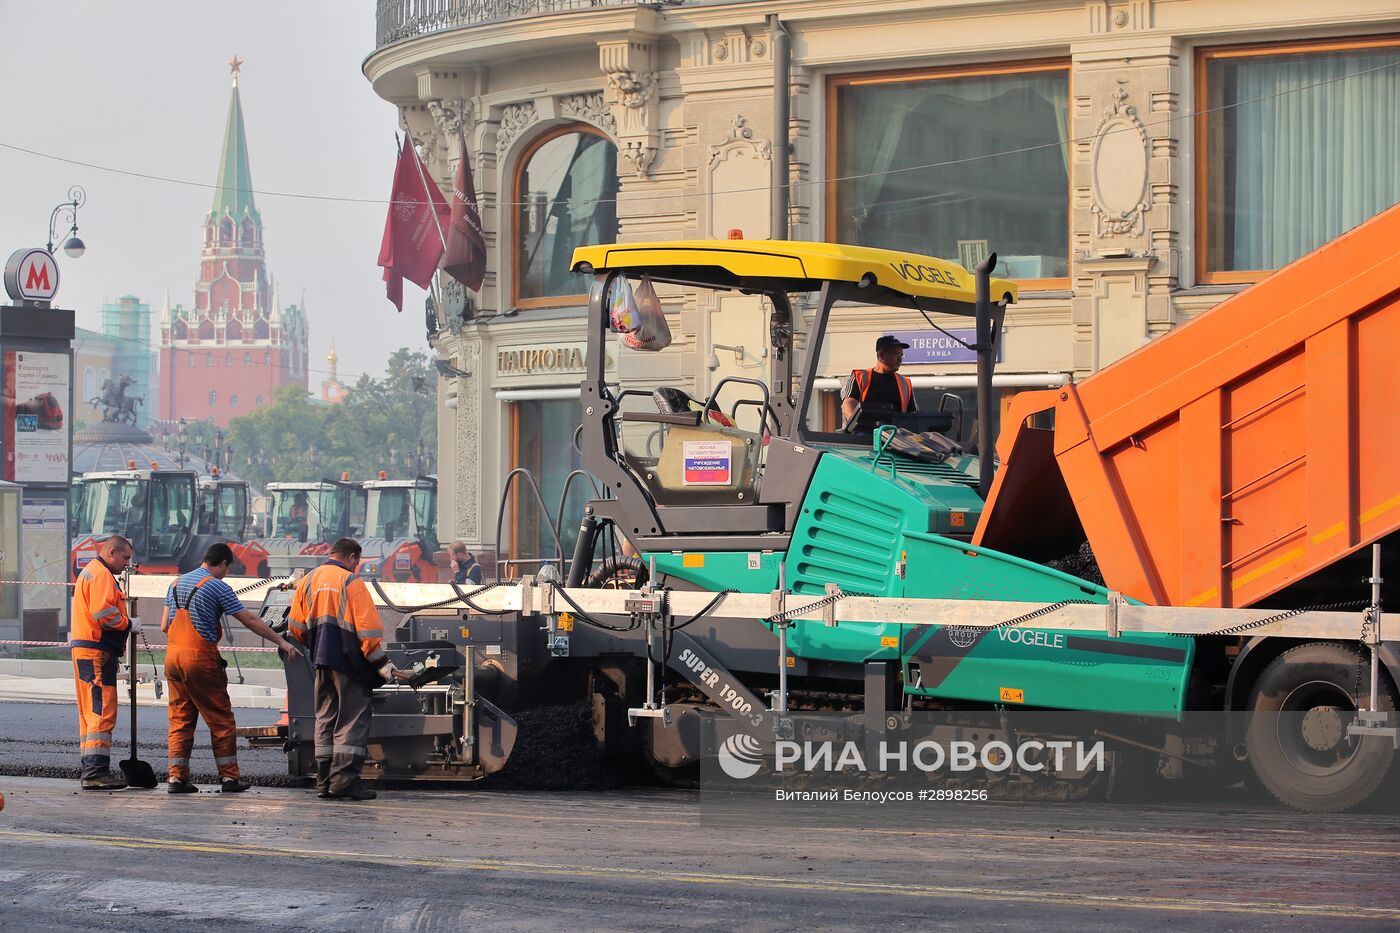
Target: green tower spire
(234, 193)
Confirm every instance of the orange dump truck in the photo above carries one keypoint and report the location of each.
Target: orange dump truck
(1242, 454)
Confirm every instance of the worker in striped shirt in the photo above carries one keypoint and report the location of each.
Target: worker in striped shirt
(194, 609)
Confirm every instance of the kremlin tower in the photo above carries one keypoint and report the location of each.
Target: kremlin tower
(231, 351)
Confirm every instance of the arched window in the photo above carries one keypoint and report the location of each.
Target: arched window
(228, 359)
(247, 358)
(213, 397)
(267, 357)
(226, 231)
(233, 400)
(103, 375)
(565, 192)
(90, 382)
(208, 359)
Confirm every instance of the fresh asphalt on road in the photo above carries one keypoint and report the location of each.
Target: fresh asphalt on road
(646, 859)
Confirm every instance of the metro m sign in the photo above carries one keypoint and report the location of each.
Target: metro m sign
(31, 276)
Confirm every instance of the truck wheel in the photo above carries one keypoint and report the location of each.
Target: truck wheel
(1297, 739)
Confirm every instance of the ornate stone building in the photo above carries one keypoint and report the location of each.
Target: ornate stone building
(1132, 162)
(232, 350)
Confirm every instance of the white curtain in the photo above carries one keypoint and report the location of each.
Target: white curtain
(1311, 150)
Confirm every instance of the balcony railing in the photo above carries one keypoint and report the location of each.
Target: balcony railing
(401, 19)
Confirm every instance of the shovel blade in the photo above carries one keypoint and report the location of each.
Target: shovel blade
(138, 773)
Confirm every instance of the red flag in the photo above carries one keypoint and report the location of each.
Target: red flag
(466, 245)
(413, 236)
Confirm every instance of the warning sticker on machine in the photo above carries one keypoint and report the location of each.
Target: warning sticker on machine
(707, 463)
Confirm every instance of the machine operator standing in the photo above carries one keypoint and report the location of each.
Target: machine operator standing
(100, 626)
(194, 608)
(880, 385)
(334, 616)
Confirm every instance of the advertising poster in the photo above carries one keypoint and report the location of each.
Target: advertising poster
(44, 543)
(35, 442)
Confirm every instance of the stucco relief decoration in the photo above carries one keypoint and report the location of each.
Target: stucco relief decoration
(514, 119)
(740, 139)
(1119, 162)
(589, 108)
(425, 141)
(437, 144)
(635, 112)
(468, 441)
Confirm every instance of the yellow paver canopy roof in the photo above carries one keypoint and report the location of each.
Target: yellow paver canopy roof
(884, 276)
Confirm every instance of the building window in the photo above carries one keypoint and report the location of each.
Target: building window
(541, 436)
(102, 376)
(258, 400)
(247, 358)
(90, 383)
(1296, 144)
(566, 190)
(189, 359)
(955, 163)
(267, 357)
(208, 359)
(213, 397)
(228, 359)
(233, 400)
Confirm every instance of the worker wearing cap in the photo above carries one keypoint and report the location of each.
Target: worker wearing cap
(194, 608)
(881, 384)
(99, 632)
(333, 615)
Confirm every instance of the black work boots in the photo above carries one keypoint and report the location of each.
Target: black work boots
(358, 790)
(108, 780)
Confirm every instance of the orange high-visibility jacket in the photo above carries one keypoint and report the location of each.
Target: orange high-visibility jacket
(864, 378)
(99, 610)
(334, 616)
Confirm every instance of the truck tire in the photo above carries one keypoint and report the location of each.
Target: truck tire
(1296, 740)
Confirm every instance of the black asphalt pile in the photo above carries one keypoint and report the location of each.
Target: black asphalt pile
(1081, 564)
(555, 750)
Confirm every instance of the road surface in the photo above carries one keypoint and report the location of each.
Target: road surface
(644, 859)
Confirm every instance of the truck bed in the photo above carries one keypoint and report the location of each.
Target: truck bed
(1233, 457)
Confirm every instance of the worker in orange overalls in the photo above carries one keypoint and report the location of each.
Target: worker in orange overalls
(194, 608)
(333, 615)
(98, 636)
(868, 390)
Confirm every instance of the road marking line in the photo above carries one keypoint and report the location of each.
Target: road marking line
(1131, 902)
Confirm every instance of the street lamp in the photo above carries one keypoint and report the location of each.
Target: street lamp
(68, 210)
(184, 439)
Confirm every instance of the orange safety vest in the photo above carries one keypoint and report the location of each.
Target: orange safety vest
(182, 639)
(864, 378)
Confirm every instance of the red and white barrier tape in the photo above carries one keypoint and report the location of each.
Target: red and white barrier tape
(64, 644)
(34, 583)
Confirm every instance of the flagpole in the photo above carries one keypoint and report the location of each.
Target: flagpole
(436, 290)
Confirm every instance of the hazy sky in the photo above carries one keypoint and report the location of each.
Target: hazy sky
(144, 87)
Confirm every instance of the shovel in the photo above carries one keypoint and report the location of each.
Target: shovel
(138, 773)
